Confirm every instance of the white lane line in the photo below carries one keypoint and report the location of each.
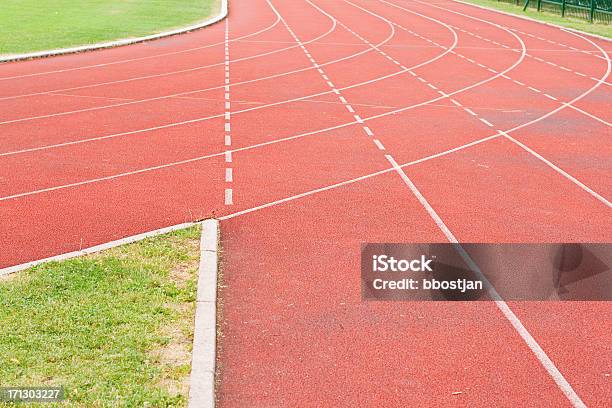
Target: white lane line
(229, 172)
(436, 218)
(342, 99)
(486, 122)
(546, 61)
(379, 144)
(523, 332)
(552, 98)
(570, 104)
(559, 170)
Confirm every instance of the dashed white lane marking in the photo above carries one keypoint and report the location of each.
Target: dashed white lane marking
(229, 196)
(558, 43)
(526, 148)
(341, 98)
(378, 144)
(541, 59)
(229, 172)
(532, 88)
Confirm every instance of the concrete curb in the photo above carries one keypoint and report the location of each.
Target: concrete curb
(202, 381)
(111, 44)
(534, 20)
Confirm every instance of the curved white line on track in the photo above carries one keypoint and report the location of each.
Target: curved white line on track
(182, 71)
(203, 90)
(263, 30)
(196, 120)
(321, 189)
(49, 189)
(569, 392)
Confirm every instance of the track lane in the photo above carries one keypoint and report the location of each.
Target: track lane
(541, 388)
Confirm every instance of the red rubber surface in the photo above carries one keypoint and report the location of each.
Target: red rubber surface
(108, 144)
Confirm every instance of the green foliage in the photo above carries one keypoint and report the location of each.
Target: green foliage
(93, 324)
(35, 25)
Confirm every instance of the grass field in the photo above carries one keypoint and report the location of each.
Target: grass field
(582, 25)
(35, 25)
(114, 328)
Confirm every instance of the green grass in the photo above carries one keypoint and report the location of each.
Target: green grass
(35, 25)
(114, 328)
(549, 17)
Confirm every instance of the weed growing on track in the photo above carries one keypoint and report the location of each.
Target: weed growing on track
(33, 25)
(604, 30)
(114, 328)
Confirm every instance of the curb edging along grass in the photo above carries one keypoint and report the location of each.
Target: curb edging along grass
(118, 43)
(203, 355)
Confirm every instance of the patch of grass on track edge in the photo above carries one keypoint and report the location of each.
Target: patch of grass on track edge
(114, 328)
(604, 30)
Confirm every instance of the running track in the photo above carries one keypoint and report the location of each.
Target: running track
(309, 126)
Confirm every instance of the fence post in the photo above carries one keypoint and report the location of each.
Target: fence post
(526, 4)
(592, 11)
(563, 8)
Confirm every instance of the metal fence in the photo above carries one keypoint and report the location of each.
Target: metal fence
(592, 10)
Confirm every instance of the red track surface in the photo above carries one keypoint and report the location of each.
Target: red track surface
(108, 144)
